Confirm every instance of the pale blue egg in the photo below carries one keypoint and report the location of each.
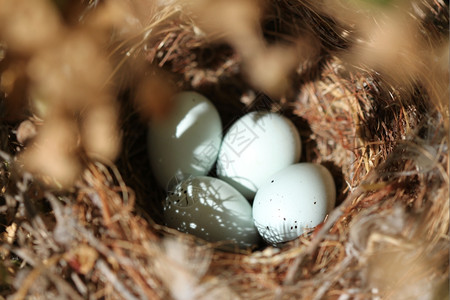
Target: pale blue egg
(256, 146)
(293, 201)
(211, 209)
(187, 140)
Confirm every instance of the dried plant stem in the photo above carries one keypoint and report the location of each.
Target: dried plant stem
(116, 283)
(34, 274)
(144, 36)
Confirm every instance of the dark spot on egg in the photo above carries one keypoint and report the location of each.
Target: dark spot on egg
(284, 219)
(272, 181)
(315, 202)
(267, 227)
(292, 227)
(295, 226)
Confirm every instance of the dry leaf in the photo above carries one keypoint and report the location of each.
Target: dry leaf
(82, 258)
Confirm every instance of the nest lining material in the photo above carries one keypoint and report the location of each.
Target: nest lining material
(388, 239)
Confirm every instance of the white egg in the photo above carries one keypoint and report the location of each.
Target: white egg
(187, 141)
(293, 200)
(256, 146)
(212, 210)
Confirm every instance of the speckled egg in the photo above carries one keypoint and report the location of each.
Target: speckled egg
(211, 209)
(293, 200)
(187, 141)
(256, 146)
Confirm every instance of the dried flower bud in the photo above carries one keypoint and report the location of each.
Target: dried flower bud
(53, 152)
(100, 135)
(269, 69)
(26, 131)
(71, 74)
(27, 26)
(154, 96)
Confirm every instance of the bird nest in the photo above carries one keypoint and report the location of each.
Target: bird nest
(363, 81)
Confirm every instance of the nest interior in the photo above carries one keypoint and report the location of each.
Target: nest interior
(383, 137)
